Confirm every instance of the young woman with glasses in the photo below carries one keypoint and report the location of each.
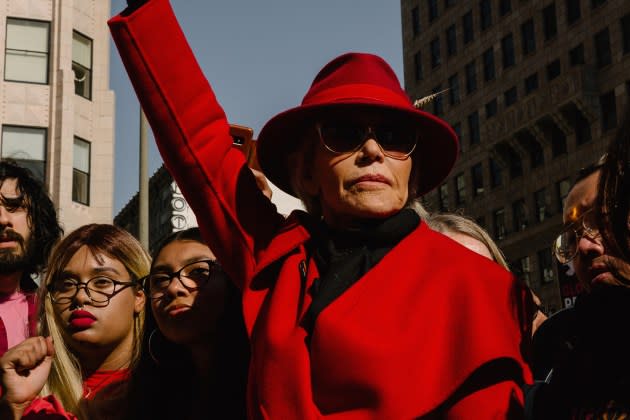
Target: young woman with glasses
(194, 339)
(91, 322)
(355, 309)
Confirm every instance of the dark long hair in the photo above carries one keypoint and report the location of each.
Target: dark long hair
(42, 217)
(159, 385)
(613, 199)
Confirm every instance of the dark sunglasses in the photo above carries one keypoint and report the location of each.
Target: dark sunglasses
(397, 141)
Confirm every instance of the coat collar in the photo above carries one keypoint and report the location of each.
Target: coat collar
(291, 236)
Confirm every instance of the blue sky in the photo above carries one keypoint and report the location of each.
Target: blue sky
(260, 57)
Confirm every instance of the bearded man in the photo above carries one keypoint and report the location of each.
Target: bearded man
(28, 231)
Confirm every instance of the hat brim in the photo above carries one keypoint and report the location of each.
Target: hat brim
(436, 152)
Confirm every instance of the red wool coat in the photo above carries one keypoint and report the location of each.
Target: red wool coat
(432, 329)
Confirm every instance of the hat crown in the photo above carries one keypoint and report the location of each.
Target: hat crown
(354, 76)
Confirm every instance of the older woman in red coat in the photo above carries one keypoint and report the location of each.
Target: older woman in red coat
(355, 309)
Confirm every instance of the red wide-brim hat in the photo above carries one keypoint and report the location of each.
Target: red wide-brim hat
(356, 80)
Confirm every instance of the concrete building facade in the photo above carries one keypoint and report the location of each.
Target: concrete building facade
(535, 90)
(56, 106)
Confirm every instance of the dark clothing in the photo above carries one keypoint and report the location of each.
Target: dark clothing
(587, 348)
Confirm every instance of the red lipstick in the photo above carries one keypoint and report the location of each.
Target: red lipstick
(81, 319)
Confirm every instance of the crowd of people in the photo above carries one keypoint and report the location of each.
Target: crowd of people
(364, 306)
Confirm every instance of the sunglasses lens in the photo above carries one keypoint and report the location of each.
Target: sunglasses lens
(396, 141)
(341, 137)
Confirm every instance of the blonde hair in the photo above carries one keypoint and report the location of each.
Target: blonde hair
(456, 223)
(65, 380)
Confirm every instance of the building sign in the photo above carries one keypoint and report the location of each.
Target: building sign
(570, 287)
(182, 216)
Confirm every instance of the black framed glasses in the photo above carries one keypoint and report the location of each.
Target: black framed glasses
(99, 289)
(396, 140)
(192, 276)
(565, 247)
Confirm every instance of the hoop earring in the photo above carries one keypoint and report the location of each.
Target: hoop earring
(155, 359)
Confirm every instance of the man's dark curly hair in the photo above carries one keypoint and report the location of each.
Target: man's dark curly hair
(42, 217)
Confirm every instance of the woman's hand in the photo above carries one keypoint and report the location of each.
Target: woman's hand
(24, 369)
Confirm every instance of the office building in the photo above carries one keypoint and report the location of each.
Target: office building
(535, 90)
(56, 107)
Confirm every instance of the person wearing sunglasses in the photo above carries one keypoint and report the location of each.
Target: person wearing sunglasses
(91, 321)
(354, 308)
(194, 336)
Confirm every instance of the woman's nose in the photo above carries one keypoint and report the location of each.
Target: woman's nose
(370, 149)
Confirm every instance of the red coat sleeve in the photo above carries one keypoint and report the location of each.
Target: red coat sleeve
(192, 134)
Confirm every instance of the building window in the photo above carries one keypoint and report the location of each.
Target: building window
(558, 141)
(438, 102)
(27, 146)
(528, 37)
(519, 214)
(491, 108)
(453, 89)
(415, 21)
(417, 65)
(460, 190)
(573, 11)
(82, 65)
(473, 128)
(467, 23)
(510, 96)
(435, 53)
(451, 40)
(625, 33)
(505, 7)
(576, 55)
(553, 70)
(603, 55)
(515, 165)
(433, 9)
(477, 179)
(81, 172)
(540, 201)
(563, 188)
(531, 83)
(443, 193)
(524, 270)
(496, 174)
(608, 106)
(26, 52)
(545, 265)
(485, 11)
(582, 129)
(507, 50)
(488, 65)
(471, 77)
(550, 24)
(498, 218)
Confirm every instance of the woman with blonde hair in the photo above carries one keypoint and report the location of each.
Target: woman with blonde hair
(91, 321)
(468, 233)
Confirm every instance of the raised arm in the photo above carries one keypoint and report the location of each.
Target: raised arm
(192, 134)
